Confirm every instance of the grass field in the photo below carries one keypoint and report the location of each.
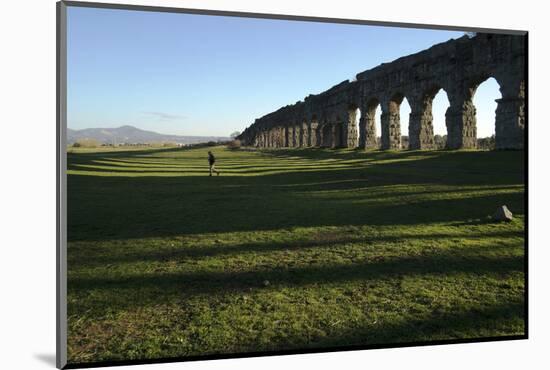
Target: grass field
(289, 249)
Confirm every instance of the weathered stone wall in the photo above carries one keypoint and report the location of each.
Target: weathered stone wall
(456, 66)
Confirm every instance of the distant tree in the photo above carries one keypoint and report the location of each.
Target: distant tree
(234, 134)
(486, 143)
(86, 143)
(404, 142)
(234, 144)
(470, 34)
(440, 141)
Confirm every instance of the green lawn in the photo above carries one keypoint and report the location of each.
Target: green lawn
(289, 249)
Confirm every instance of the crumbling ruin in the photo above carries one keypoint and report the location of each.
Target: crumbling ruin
(457, 66)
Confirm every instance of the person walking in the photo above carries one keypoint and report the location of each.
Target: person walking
(212, 163)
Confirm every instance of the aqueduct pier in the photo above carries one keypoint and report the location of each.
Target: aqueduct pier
(329, 119)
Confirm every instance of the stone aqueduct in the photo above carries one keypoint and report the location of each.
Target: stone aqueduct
(457, 66)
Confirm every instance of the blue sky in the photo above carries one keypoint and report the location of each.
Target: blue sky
(210, 75)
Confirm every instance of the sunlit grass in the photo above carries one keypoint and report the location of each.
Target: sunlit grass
(289, 249)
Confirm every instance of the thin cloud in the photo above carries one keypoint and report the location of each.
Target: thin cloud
(165, 116)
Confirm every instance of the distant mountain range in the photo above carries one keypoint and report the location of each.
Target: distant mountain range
(134, 135)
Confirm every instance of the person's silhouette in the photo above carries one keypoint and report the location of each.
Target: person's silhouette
(212, 163)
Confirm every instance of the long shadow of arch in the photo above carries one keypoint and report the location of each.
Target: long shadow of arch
(182, 253)
(119, 207)
(465, 323)
(173, 287)
(167, 208)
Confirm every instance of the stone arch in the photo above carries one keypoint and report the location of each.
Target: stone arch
(272, 135)
(510, 115)
(326, 135)
(304, 133)
(352, 123)
(405, 112)
(439, 103)
(291, 142)
(278, 137)
(391, 121)
(461, 115)
(421, 128)
(476, 81)
(370, 126)
(296, 134)
(314, 131)
(338, 132)
(482, 92)
(286, 137)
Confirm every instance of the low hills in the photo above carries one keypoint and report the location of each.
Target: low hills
(133, 135)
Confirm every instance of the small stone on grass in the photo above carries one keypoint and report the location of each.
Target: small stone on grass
(502, 214)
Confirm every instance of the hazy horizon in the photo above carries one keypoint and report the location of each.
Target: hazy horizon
(133, 126)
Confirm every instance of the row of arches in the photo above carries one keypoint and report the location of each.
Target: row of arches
(479, 117)
(436, 101)
(399, 103)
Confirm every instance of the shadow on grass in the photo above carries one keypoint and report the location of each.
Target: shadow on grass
(160, 286)
(122, 207)
(347, 154)
(122, 153)
(183, 252)
(118, 208)
(498, 319)
(463, 324)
